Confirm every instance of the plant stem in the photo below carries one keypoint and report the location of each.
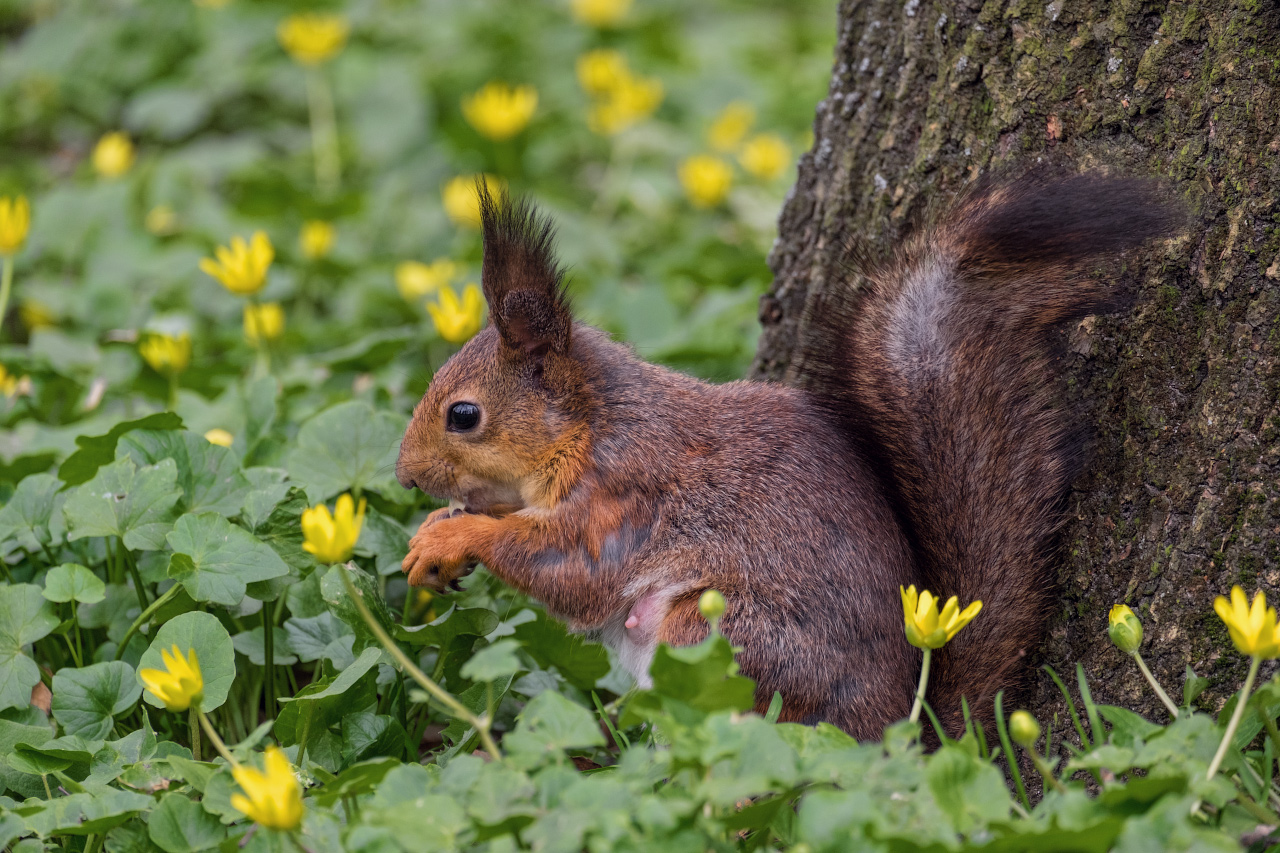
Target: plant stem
(193, 723)
(1235, 718)
(144, 616)
(441, 695)
(324, 133)
(1155, 685)
(132, 566)
(924, 681)
(218, 745)
(173, 390)
(6, 287)
(269, 658)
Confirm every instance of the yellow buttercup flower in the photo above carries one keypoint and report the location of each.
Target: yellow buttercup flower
(168, 354)
(765, 156)
(316, 239)
(179, 685)
(332, 538)
(113, 155)
(161, 220)
(706, 180)
(37, 315)
(601, 71)
(8, 383)
(272, 799)
(631, 100)
(15, 221)
(600, 13)
(458, 320)
(220, 437)
(729, 128)
(415, 280)
(264, 322)
(1252, 627)
(1124, 629)
(313, 38)
(926, 628)
(461, 201)
(500, 111)
(242, 267)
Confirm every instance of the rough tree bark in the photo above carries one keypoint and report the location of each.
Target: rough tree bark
(1181, 498)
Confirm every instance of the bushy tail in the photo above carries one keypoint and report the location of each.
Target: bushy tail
(947, 384)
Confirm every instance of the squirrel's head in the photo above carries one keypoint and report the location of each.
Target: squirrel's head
(503, 424)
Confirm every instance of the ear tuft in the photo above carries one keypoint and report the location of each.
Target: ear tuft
(523, 282)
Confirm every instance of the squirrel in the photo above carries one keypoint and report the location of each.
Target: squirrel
(928, 448)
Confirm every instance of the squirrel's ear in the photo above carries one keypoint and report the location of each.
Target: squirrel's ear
(523, 283)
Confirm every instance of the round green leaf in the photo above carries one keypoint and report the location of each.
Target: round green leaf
(216, 560)
(73, 582)
(179, 825)
(204, 633)
(348, 446)
(87, 700)
(124, 500)
(24, 618)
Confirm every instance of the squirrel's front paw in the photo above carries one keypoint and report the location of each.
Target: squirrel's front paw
(442, 551)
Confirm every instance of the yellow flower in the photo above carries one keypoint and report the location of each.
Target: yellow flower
(168, 354)
(316, 239)
(600, 13)
(272, 799)
(37, 315)
(706, 180)
(113, 155)
(632, 99)
(8, 383)
(161, 220)
(179, 685)
(1252, 627)
(15, 220)
(500, 111)
(461, 201)
(220, 437)
(601, 71)
(242, 268)
(415, 280)
(457, 320)
(263, 322)
(211, 4)
(313, 38)
(765, 156)
(731, 126)
(926, 628)
(1124, 629)
(332, 538)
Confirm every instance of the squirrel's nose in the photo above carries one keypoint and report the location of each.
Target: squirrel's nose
(405, 477)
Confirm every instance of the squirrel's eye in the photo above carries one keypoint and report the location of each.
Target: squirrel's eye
(463, 417)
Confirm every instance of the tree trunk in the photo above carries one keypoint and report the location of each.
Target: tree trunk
(1181, 498)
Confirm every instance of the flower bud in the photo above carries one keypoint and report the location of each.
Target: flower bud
(1124, 628)
(711, 605)
(1024, 729)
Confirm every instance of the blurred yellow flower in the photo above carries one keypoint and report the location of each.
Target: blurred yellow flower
(332, 538)
(8, 383)
(601, 71)
(179, 684)
(37, 315)
(316, 239)
(765, 156)
(461, 201)
(500, 111)
(631, 99)
(926, 628)
(161, 220)
(458, 320)
(1124, 629)
(706, 179)
(113, 155)
(272, 799)
(168, 354)
(415, 280)
(242, 268)
(600, 13)
(263, 322)
(220, 437)
(313, 38)
(15, 221)
(211, 4)
(729, 128)
(1252, 627)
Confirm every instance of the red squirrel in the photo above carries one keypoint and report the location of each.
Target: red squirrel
(928, 448)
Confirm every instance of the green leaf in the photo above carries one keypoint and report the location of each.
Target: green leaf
(969, 791)
(550, 644)
(471, 621)
(73, 582)
(25, 617)
(366, 734)
(204, 633)
(209, 475)
(251, 644)
(215, 559)
(347, 447)
(179, 825)
(127, 501)
(53, 755)
(493, 662)
(324, 703)
(33, 516)
(281, 528)
(87, 700)
(316, 637)
(1192, 687)
(335, 595)
(356, 780)
(88, 813)
(96, 451)
(550, 723)
(384, 539)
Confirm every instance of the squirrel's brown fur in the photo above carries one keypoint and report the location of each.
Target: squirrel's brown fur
(928, 451)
